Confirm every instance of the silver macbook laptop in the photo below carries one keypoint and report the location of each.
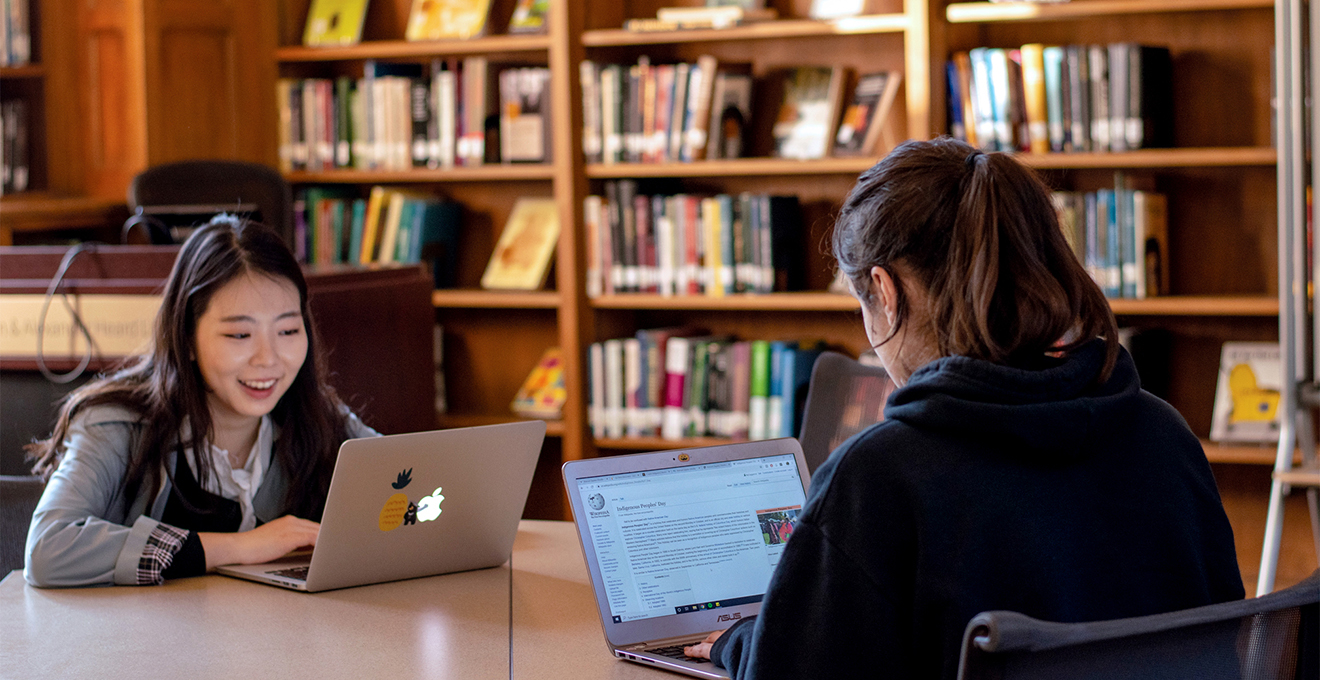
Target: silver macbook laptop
(681, 543)
(420, 504)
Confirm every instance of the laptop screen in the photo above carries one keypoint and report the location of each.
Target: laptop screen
(681, 539)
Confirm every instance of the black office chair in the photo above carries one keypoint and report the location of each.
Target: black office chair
(217, 183)
(18, 498)
(843, 398)
(1274, 637)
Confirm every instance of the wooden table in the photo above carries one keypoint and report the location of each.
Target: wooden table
(531, 618)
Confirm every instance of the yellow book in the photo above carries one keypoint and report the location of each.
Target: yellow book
(543, 394)
(711, 224)
(441, 19)
(522, 255)
(376, 203)
(331, 23)
(1033, 92)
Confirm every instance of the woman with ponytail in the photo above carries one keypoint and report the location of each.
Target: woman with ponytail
(1020, 465)
(214, 447)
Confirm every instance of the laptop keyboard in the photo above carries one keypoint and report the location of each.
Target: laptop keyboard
(676, 652)
(296, 573)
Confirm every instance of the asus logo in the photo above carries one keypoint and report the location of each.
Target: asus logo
(728, 617)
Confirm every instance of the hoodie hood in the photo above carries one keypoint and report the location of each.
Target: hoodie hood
(1052, 409)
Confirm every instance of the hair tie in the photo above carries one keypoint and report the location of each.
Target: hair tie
(971, 159)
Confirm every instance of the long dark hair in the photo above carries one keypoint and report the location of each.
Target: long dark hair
(980, 233)
(165, 387)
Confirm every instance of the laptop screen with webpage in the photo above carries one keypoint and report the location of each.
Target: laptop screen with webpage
(701, 536)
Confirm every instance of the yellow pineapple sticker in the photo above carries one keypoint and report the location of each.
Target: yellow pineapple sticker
(396, 506)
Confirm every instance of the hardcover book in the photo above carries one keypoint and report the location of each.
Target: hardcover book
(808, 112)
(1248, 393)
(863, 122)
(522, 255)
(442, 19)
(334, 23)
(529, 16)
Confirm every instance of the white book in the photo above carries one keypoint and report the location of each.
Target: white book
(611, 135)
(664, 242)
(676, 367)
(402, 132)
(591, 207)
(633, 414)
(446, 113)
(614, 405)
(677, 119)
(592, 144)
(597, 412)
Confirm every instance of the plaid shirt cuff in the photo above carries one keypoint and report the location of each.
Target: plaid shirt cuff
(164, 542)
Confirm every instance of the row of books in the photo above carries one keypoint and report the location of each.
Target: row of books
(335, 23)
(400, 116)
(687, 244)
(1121, 236)
(680, 382)
(14, 157)
(1062, 98)
(390, 225)
(685, 112)
(16, 33)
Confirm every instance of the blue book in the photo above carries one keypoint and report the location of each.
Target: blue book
(775, 403)
(1127, 238)
(794, 379)
(359, 216)
(1054, 104)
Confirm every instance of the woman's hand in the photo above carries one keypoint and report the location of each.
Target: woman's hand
(262, 544)
(701, 650)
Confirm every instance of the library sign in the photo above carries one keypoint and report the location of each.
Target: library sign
(120, 325)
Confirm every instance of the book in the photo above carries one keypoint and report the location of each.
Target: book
(522, 255)
(759, 390)
(334, 23)
(614, 398)
(1055, 96)
(444, 19)
(525, 115)
(1247, 393)
(437, 229)
(836, 9)
(529, 16)
(863, 122)
(596, 381)
(542, 394)
(808, 111)
(1035, 98)
(710, 16)
(674, 415)
(1151, 234)
(730, 111)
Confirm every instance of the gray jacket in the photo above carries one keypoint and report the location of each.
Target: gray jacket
(86, 531)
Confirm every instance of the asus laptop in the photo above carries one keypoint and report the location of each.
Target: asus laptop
(410, 505)
(681, 543)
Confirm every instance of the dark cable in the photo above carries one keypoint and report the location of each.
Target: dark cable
(62, 379)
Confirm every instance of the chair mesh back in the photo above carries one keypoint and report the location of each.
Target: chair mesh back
(844, 398)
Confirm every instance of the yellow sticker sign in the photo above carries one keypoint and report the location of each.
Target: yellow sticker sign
(391, 516)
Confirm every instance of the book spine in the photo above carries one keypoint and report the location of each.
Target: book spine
(343, 122)
(632, 387)
(596, 367)
(1118, 96)
(676, 367)
(1034, 90)
(984, 103)
(666, 262)
(1052, 68)
(591, 209)
(1079, 101)
(614, 388)
(759, 391)
(774, 407)
(1098, 61)
(592, 144)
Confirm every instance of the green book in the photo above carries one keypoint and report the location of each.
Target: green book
(336, 230)
(759, 398)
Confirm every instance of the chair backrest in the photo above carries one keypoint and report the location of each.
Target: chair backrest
(18, 498)
(1273, 637)
(843, 398)
(217, 182)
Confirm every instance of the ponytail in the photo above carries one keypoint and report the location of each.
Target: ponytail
(979, 232)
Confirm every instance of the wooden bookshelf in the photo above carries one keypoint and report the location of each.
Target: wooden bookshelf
(1198, 305)
(740, 167)
(24, 71)
(421, 49)
(495, 299)
(762, 30)
(553, 428)
(498, 172)
(981, 12)
(1243, 454)
(1156, 158)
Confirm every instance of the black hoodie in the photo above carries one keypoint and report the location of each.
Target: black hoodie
(990, 487)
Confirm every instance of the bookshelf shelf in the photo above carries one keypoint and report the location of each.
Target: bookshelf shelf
(741, 167)
(979, 12)
(393, 49)
(783, 302)
(659, 444)
(489, 299)
(766, 30)
(478, 173)
(553, 428)
(25, 71)
(1243, 454)
(1156, 158)
(1198, 305)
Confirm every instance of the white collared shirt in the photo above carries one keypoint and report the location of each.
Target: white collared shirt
(240, 484)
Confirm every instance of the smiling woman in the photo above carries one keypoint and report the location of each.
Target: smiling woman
(214, 447)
